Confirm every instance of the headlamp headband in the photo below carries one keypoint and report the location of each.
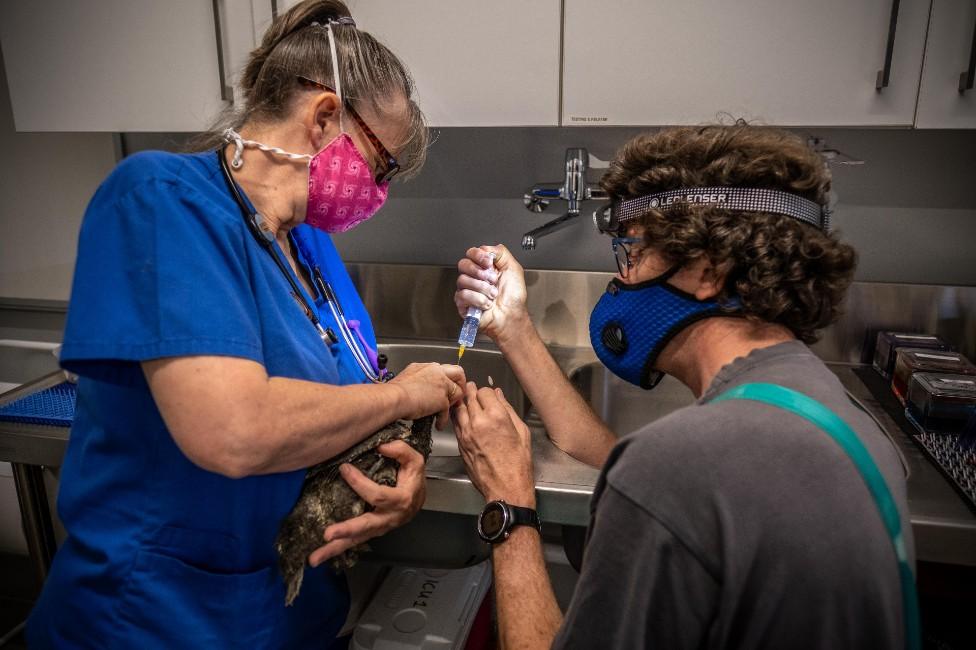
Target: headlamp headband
(742, 199)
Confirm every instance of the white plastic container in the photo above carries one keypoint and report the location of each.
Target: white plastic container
(425, 609)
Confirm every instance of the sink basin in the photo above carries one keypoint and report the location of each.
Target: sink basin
(625, 407)
(24, 361)
(479, 364)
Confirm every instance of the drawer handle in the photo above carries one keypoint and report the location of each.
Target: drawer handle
(885, 74)
(967, 77)
(226, 92)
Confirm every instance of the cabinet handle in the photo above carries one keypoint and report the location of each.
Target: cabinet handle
(885, 73)
(967, 77)
(274, 9)
(226, 92)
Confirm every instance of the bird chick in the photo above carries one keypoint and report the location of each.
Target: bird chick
(326, 499)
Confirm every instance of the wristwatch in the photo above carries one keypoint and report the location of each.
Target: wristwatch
(497, 519)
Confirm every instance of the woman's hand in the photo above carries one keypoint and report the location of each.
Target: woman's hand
(499, 290)
(392, 506)
(430, 388)
(496, 446)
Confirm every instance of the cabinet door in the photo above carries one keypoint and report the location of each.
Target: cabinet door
(952, 37)
(474, 63)
(785, 62)
(118, 65)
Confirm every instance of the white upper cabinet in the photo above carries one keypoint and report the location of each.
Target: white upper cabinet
(120, 65)
(949, 61)
(784, 62)
(475, 63)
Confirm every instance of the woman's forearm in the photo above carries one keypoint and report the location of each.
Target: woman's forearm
(570, 422)
(229, 417)
(310, 422)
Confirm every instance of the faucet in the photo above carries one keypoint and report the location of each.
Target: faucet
(574, 190)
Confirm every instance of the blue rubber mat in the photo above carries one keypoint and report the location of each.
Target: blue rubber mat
(53, 406)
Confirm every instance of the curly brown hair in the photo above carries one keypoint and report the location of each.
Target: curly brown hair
(781, 270)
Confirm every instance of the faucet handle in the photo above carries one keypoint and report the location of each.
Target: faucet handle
(534, 204)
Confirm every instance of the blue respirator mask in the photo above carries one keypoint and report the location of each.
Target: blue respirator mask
(632, 323)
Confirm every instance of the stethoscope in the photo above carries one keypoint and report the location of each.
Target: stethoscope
(267, 241)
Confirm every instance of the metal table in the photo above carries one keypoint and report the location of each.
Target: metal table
(29, 448)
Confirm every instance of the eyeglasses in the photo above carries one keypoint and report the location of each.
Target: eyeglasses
(624, 253)
(389, 167)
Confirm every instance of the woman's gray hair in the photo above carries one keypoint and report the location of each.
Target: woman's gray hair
(297, 44)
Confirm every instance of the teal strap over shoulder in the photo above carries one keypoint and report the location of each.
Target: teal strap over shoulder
(812, 410)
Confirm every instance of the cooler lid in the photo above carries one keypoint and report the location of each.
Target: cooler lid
(947, 385)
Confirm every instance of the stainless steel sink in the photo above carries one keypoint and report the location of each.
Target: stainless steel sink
(24, 361)
(479, 365)
(625, 407)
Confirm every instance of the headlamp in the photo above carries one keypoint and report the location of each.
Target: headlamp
(611, 217)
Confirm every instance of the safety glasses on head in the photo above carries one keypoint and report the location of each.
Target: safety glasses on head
(388, 166)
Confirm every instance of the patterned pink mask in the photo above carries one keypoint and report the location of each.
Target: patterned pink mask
(342, 192)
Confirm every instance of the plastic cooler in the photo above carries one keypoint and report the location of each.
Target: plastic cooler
(424, 608)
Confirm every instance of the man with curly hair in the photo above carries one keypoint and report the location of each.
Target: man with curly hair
(738, 521)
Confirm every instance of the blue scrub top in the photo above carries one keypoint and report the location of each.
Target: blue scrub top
(162, 553)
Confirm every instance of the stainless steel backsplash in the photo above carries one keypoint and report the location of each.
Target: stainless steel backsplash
(415, 301)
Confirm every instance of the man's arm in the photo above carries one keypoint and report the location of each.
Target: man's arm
(499, 289)
(496, 447)
(570, 422)
(528, 616)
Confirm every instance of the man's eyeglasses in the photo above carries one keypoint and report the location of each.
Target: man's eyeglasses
(624, 253)
(388, 167)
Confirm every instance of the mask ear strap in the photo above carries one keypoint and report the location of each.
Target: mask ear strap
(337, 81)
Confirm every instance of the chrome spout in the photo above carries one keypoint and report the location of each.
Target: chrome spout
(574, 190)
(529, 238)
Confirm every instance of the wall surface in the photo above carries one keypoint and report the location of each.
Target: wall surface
(910, 210)
(46, 180)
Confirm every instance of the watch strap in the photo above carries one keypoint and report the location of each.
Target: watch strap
(524, 517)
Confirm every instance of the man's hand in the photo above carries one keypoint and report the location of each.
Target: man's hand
(499, 290)
(496, 446)
(392, 506)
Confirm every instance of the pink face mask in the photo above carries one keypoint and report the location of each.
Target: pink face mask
(342, 191)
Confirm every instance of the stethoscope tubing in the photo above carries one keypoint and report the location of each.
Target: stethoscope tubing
(328, 293)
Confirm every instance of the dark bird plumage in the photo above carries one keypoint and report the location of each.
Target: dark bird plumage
(327, 499)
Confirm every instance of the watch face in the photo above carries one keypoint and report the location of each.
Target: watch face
(492, 522)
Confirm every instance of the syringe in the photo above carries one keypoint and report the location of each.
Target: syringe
(472, 320)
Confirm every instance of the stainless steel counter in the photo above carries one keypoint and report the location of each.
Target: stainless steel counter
(943, 525)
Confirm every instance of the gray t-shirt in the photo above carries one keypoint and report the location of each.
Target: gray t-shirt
(740, 525)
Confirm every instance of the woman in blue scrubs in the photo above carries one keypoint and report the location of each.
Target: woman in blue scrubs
(209, 325)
